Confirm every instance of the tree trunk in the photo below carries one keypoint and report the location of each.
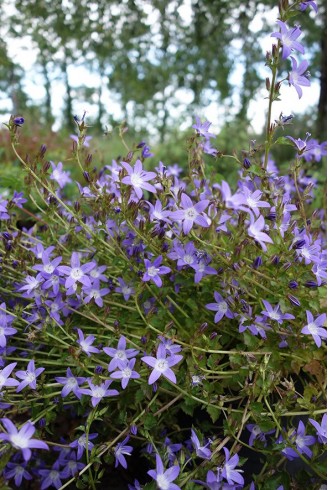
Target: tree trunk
(68, 110)
(47, 85)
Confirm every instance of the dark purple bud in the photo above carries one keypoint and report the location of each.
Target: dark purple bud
(134, 430)
(257, 262)
(88, 159)
(77, 206)
(287, 265)
(7, 236)
(42, 422)
(247, 164)
(294, 301)
(155, 387)
(275, 260)
(46, 166)
(15, 264)
(271, 216)
(98, 369)
(8, 246)
(141, 144)
(311, 284)
(143, 339)
(18, 121)
(299, 244)
(213, 335)
(203, 327)
(42, 151)
(293, 284)
(86, 175)
(56, 400)
(117, 210)
(116, 323)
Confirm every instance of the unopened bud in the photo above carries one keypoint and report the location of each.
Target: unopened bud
(267, 83)
(293, 300)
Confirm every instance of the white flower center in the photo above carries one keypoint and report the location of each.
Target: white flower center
(71, 382)
(126, 372)
(223, 306)
(94, 273)
(313, 329)
(126, 290)
(120, 354)
(251, 202)
(161, 365)
(56, 174)
(136, 180)
(48, 268)
(30, 376)
(274, 315)
(152, 271)
(188, 259)
(53, 475)
(162, 482)
(76, 273)
(98, 392)
(95, 294)
(191, 213)
(305, 252)
(54, 307)
(18, 441)
(2, 331)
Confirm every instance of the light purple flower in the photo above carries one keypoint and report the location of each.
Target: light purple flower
(252, 199)
(228, 472)
(296, 77)
(98, 392)
(202, 269)
(170, 347)
(275, 313)
(201, 451)
(72, 465)
(301, 441)
(120, 451)
(120, 355)
(308, 3)
(138, 178)
(5, 330)
(21, 439)
(126, 373)
(202, 128)
(81, 444)
(288, 39)
(71, 384)
(154, 270)
(18, 472)
(190, 213)
(29, 376)
(77, 272)
(321, 428)
(51, 477)
(221, 307)
(48, 267)
(94, 292)
(59, 175)
(314, 327)
(156, 213)
(301, 145)
(164, 478)
(86, 343)
(162, 365)
(255, 231)
(5, 380)
(124, 288)
(18, 199)
(86, 140)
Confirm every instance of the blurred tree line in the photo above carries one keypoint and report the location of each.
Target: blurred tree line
(145, 59)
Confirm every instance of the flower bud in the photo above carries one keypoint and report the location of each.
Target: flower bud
(18, 121)
(311, 284)
(213, 335)
(42, 151)
(293, 285)
(293, 300)
(86, 175)
(257, 262)
(298, 244)
(247, 164)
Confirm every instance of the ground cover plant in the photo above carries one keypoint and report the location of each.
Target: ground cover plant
(165, 330)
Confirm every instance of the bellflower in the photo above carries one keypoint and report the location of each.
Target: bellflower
(94, 292)
(154, 270)
(21, 439)
(59, 175)
(51, 477)
(18, 472)
(190, 213)
(138, 178)
(314, 327)
(5, 330)
(201, 451)
(301, 441)
(126, 373)
(288, 39)
(77, 272)
(29, 376)
(126, 289)
(275, 313)
(86, 343)
(5, 380)
(221, 307)
(72, 466)
(321, 428)
(120, 451)
(162, 365)
(98, 392)
(71, 384)
(120, 355)
(228, 472)
(308, 3)
(255, 231)
(81, 444)
(296, 77)
(164, 478)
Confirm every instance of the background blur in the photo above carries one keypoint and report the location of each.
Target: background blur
(153, 63)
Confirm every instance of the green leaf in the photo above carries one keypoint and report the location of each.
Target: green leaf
(150, 421)
(213, 412)
(283, 141)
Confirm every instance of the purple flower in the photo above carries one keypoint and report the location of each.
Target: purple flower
(202, 269)
(170, 347)
(313, 327)
(201, 451)
(164, 478)
(98, 392)
(18, 472)
(51, 477)
(252, 199)
(154, 271)
(275, 313)
(146, 153)
(77, 272)
(21, 439)
(288, 39)
(301, 441)
(221, 307)
(86, 343)
(4, 376)
(190, 213)
(301, 145)
(296, 77)
(120, 355)
(32, 283)
(29, 376)
(321, 428)
(138, 178)
(18, 121)
(81, 444)
(161, 365)
(18, 199)
(257, 434)
(255, 231)
(5, 331)
(72, 465)
(94, 292)
(125, 373)
(228, 472)
(48, 267)
(125, 289)
(308, 3)
(156, 212)
(71, 384)
(202, 128)
(120, 451)
(86, 139)
(59, 175)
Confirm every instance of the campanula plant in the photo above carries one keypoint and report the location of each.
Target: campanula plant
(164, 327)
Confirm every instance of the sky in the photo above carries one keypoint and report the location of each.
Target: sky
(22, 52)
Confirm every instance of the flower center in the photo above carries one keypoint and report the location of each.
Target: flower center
(48, 268)
(152, 271)
(76, 273)
(190, 213)
(18, 441)
(30, 376)
(251, 202)
(274, 315)
(313, 329)
(161, 365)
(71, 382)
(98, 392)
(188, 259)
(126, 373)
(223, 306)
(162, 482)
(136, 180)
(120, 354)
(126, 290)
